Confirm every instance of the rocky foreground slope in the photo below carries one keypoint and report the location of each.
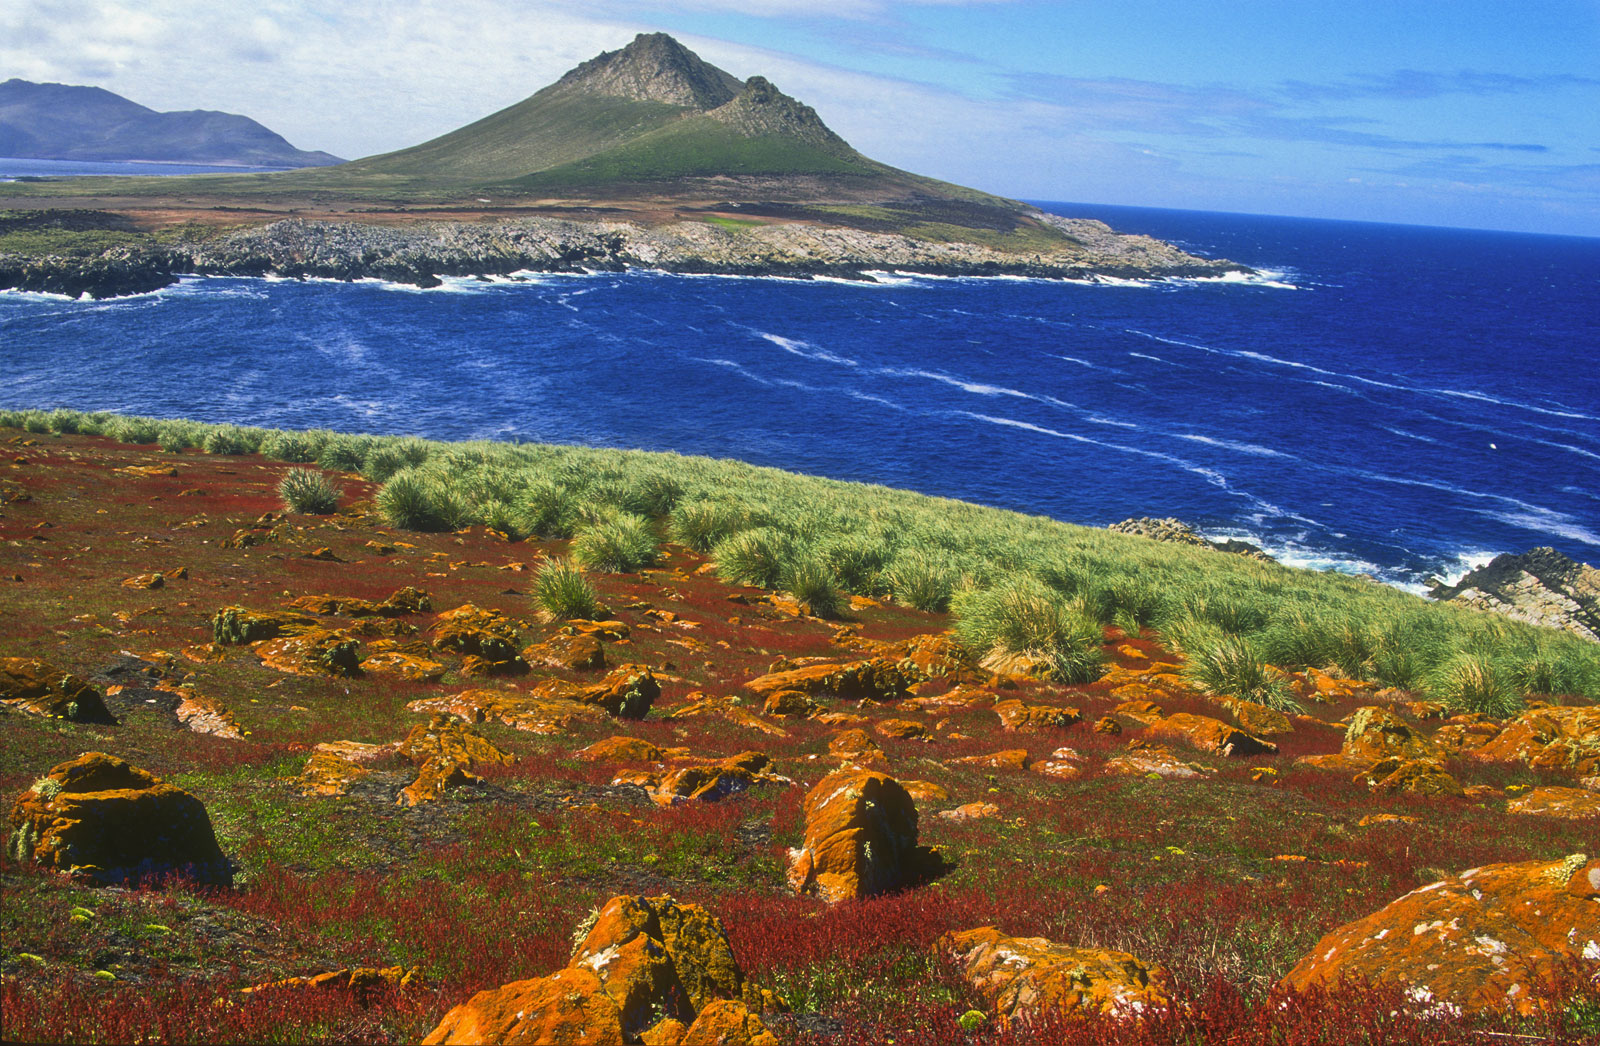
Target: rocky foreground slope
(401, 804)
(420, 253)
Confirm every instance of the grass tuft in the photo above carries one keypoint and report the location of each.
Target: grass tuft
(1471, 682)
(619, 545)
(307, 490)
(1020, 616)
(563, 593)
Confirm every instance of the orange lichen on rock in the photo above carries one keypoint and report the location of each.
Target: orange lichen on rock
(37, 687)
(880, 679)
(102, 820)
(1209, 735)
(860, 840)
(647, 969)
(1026, 977)
(1482, 940)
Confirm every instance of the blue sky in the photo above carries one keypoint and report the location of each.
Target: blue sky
(1465, 113)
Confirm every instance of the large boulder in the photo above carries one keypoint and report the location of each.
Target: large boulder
(1481, 940)
(103, 821)
(318, 652)
(861, 838)
(1209, 735)
(1549, 739)
(1026, 977)
(880, 679)
(1373, 735)
(236, 625)
(535, 713)
(643, 966)
(36, 687)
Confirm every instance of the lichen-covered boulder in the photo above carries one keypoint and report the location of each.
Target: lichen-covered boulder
(627, 692)
(537, 713)
(103, 821)
(36, 687)
(1025, 977)
(575, 652)
(236, 625)
(1141, 759)
(1578, 804)
(861, 838)
(1376, 734)
(646, 969)
(567, 1008)
(1209, 735)
(1550, 739)
(446, 751)
(1015, 715)
(621, 750)
(880, 679)
(1481, 940)
(1414, 776)
(318, 652)
(790, 704)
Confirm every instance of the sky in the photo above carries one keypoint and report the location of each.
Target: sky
(1469, 113)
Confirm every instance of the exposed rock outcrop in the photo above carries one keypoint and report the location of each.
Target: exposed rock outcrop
(1026, 977)
(1181, 533)
(1541, 587)
(642, 963)
(37, 687)
(102, 820)
(1480, 940)
(861, 838)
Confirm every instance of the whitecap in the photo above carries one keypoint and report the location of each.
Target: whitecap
(806, 350)
(1228, 444)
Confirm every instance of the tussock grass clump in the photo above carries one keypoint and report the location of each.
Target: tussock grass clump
(307, 490)
(563, 593)
(921, 581)
(63, 421)
(1221, 663)
(300, 448)
(857, 561)
(410, 501)
(344, 453)
(546, 510)
(809, 580)
(619, 545)
(753, 557)
(701, 524)
(135, 430)
(393, 455)
(1471, 682)
(228, 439)
(1021, 616)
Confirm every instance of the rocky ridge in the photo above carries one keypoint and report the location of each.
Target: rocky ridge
(420, 254)
(1541, 587)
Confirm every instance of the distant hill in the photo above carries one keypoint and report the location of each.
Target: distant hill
(655, 119)
(62, 122)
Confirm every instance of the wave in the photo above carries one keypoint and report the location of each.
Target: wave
(1157, 359)
(1228, 444)
(745, 372)
(1543, 521)
(805, 349)
(1212, 476)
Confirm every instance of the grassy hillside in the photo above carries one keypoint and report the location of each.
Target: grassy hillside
(1249, 621)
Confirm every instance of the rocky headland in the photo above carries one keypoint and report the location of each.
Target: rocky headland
(1540, 586)
(421, 253)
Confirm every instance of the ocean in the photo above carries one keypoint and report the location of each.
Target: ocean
(1390, 400)
(12, 168)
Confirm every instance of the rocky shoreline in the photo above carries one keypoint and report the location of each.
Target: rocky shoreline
(421, 253)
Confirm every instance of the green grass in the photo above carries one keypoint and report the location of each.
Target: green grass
(563, 593)
(307, 490)
(622, 544)
(1022, 617)
(761, 522)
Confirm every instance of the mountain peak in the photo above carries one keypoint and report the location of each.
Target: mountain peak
(655, 68)
(761, 109)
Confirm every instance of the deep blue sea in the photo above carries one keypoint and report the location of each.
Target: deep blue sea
(1387, 399)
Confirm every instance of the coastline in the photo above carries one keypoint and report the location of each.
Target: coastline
(420, 253)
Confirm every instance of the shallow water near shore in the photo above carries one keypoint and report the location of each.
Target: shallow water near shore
(1394, 400)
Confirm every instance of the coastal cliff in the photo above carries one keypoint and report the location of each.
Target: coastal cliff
(420, 253)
